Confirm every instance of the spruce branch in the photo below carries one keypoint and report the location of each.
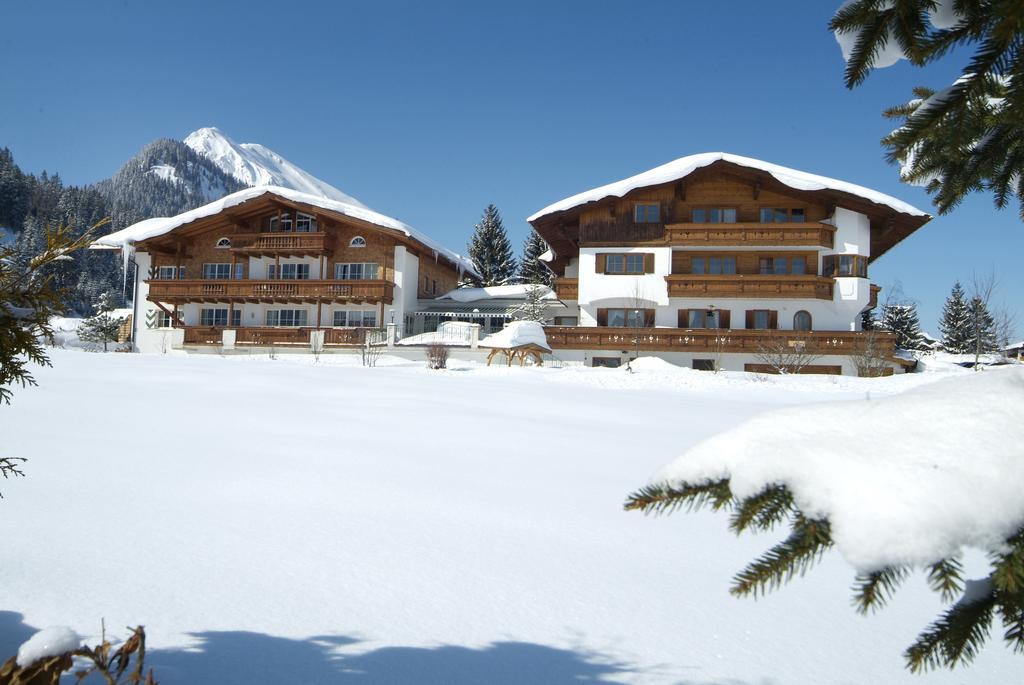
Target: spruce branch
(764, 510)
(661, 498)
(873, 590)
(946, 578)
(954, 638)
(807, 542)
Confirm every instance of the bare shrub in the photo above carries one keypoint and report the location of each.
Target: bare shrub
(437, 356)
(371, 344)
(786, 355)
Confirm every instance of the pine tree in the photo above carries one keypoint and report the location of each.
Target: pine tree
(968, 139)
(101, 327)
(491, 251)
(982, 328)
(902, 320)
(955, 324)
(531, 268)
(533, 307)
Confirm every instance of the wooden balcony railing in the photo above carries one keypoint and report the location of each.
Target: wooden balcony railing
(751, 234)
(272, 336)
(279, 243)
(567, 288)
(621, 232)
(201, 290)
(343, 336)
(752, 286)
(203, 335)
(716, 340)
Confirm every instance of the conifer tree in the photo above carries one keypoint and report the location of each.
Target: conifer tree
(531, 268)
(982, 327)
(101, 327)
(902, 320)
(491, 251)
(955, 324)
(966, 137)
(533, 307)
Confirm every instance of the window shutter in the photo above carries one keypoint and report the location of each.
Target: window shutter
(773, 319)
(723, 318)
(649, 263)
(602, 317)
(649, 318)
(602, 264)
(684, 318)
(750, 318)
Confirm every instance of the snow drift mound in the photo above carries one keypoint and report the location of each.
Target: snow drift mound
(905, 480)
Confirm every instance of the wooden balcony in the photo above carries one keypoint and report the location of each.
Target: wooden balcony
(309, 291)
(269, 335)
(621, 233)
(203, 335)
(751, 235)
(750, 286)
(279, 244)
(567, 288)
(715, 340)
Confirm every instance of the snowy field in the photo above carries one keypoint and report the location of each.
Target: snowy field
(276, 521)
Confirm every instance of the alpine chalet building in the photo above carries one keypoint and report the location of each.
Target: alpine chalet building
(270, 266)
(721, 261)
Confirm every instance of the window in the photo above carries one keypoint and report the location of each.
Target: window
(782, 265)
(355, 319)
(433, 287)
(239, 271)
(304, 223)
(714, 215)
(703, 318)
(165, 320)
(567, 321)
(287, 317)
(216, 271)
(781, 215)
(713, 264)
(289, 272)
(631, 263)
(359, 271)
(285, 225)
(646, 213)
(236, 318)
(223, 242)
(626, 318)
(762, 319)
(358, 241)
(703, 364)
(802, 321)
(606, 362)
(844, 266)
(213, 317)
(165, 273)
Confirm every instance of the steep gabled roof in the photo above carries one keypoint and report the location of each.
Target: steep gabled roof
(152, 228)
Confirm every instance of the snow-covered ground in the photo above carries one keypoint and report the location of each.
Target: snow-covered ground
(281, 521)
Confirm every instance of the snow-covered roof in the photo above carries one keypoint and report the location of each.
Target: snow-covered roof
(151, 228)
(496, 292)
(517, 334)
(684, 166)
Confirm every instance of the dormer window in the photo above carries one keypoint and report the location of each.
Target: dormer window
(358, 241)
(223, 243)
(647, 213)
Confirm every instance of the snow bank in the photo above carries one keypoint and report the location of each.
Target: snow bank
(909, 479)
(684, 166)
(46, 643)
(516, 334)
(157, 226)
(495, 292)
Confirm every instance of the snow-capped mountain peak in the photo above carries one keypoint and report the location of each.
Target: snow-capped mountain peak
(255, 165)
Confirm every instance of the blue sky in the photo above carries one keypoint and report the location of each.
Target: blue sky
(430, 111)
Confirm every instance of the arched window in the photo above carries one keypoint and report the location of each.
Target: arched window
(802, 321)
(358, 241)
(224, 242)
